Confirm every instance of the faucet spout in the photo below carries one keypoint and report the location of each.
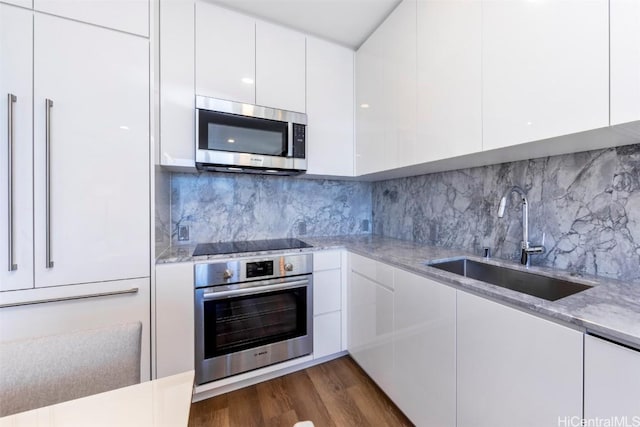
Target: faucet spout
(525, 245)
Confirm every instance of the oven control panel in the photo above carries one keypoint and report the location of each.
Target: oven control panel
(240, 270)
(259, 269)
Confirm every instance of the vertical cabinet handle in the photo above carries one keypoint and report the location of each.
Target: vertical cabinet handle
(48, 106)
(11, 99)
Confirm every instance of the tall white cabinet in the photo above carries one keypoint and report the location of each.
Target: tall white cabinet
(79, 98)
(91, 114)
(16, 149)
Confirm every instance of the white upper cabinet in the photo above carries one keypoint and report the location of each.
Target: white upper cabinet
(545, 69)
(92, 194)
(177, 82)
(386, 93)
(280, 68)
(330, 97)
(611, 378)
(225, 54)
(22, 3)
(16, 213)
(449, 111)
(131, 16)
(625, 61)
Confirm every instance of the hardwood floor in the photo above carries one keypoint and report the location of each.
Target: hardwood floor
(336, 393)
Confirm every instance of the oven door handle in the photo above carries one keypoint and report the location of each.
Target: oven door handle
(213, 295)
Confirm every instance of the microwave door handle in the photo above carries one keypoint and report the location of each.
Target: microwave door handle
(213, 295)
(289, 139)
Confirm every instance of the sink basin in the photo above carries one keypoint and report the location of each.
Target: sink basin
(529, 283)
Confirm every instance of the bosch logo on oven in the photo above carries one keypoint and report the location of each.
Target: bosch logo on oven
(261, 353)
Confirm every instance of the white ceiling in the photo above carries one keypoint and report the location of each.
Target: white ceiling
(348, 22)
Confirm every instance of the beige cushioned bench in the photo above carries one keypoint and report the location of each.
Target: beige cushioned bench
(47, 370)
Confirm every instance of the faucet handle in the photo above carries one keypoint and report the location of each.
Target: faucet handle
(486, 252)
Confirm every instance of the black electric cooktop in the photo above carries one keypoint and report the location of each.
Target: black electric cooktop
(221, 248)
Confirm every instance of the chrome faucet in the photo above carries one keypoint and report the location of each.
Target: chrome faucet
(527, 249)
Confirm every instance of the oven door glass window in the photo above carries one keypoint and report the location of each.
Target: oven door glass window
(240, 323)
(239, 134)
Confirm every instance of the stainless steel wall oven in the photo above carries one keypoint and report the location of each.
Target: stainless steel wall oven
(252, 312)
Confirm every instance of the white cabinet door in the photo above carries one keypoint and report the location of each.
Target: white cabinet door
(327, 291)
(174, 319)
(545, 69)
(22, 3)
(131, 16)
(514, 368)
(177, 82)
(424, 364)
(225, 54)
(625, 60)
(98, 180)
(449, 112)
(326, 334)
(611, 378)
(328, 310)
(370, 333)
(61, 317)
(16, 38)
(330, 97)
(371, 110)
(386, 93)
(280, 68)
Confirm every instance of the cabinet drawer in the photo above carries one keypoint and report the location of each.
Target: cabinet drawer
(326, 260)
(374, 270)
(326, 291)
(28, 321)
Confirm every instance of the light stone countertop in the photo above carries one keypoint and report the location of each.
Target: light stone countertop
(611, 308)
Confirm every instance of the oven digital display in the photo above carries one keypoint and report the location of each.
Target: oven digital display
(259, 269)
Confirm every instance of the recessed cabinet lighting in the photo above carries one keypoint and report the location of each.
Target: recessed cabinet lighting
(247, 80)
(231, 140)
(364, 105)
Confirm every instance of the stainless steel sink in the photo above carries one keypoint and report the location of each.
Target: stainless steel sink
(529, 283)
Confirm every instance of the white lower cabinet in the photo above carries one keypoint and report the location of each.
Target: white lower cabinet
(371, 328)
(514, 368)
(611, 378)
(126, 301)
(327, 303)
(402, 332)
(174, 325)
(424, 361)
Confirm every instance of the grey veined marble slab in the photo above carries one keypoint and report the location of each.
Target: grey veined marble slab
(222, 207)
(587, 205)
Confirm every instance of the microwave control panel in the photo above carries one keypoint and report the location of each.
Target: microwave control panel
(299, 146)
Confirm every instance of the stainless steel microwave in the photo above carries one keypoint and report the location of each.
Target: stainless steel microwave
(237, 137)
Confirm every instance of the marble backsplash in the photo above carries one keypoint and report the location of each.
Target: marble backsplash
(224, 207)
(587, 205)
